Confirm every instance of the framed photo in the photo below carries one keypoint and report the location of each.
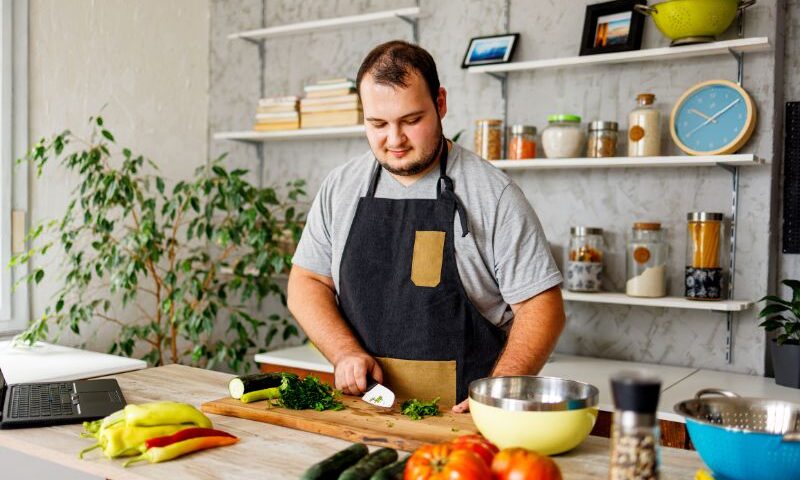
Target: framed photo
(612, 27)
(488, 50)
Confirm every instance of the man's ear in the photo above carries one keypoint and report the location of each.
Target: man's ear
(441, 102)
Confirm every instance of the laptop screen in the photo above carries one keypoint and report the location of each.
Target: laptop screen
(2, 394)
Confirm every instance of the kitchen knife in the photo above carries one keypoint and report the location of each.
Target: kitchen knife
(378, 395)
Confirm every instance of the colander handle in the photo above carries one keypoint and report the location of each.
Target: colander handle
(644, 9)
(746, 4)
(791, 437)
(715, 391)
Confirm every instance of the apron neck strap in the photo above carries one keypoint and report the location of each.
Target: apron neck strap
(376, 173)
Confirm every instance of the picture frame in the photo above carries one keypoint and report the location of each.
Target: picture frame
(611, 27)
(490, 50)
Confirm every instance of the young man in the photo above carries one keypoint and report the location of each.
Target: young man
(421, 265)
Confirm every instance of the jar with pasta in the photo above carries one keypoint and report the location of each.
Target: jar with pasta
(489, 138)
(585, 259)
(704, 247)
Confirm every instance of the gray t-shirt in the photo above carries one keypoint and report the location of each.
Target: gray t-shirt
(505, 259)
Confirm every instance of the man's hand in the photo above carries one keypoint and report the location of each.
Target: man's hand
(462, 407)
(351, 370)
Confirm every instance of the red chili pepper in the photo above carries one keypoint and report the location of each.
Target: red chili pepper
(185, 434)
(162, 454)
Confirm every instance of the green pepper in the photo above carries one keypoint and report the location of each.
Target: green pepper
(164, 413)
(177, 449)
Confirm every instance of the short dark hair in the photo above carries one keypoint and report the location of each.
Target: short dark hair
(392, 63)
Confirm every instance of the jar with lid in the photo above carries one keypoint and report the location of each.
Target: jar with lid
(488, 138)
(585, 259)
(646, 261)
(635, 436)
(602, 139)
(704, 247)
(521, 142)
(563, 137)
(644, 128)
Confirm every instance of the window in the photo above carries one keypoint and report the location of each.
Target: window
(13, 142)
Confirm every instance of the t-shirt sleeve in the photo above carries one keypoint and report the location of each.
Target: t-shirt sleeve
(524, 265)
(314, 251)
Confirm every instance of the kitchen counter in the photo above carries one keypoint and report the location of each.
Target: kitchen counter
(264, 451)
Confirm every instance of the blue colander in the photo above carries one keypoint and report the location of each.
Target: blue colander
(744, 438)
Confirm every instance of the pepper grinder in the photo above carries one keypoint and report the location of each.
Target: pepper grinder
(635, 435)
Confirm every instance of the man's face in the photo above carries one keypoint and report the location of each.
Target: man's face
(403, 125)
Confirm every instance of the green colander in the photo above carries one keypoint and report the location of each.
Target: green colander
(694, 21)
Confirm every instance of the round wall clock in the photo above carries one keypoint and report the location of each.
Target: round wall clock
(715, 117)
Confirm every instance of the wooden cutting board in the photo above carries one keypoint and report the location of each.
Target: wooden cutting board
(358, 422)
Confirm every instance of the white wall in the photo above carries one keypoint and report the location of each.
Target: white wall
(146, 61)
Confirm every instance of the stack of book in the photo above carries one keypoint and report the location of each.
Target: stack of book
(331, 103)
(277, 113)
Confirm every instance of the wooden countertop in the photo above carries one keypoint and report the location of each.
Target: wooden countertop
(264, 451)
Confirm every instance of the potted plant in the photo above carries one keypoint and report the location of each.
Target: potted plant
(783, 316)
(179, 268)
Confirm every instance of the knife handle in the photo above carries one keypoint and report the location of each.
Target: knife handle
(371, 382)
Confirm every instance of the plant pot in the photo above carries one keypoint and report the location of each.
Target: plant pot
(786, 363)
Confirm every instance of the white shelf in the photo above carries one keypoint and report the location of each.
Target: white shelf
(326, 24)
(743, 45)
(629, 162)
(664, 302)
(320, 133)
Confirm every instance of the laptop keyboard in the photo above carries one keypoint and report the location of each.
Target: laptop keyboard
(48, 400)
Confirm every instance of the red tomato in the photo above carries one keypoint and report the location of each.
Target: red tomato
(476, 444)
(522, 464)
(442, 462)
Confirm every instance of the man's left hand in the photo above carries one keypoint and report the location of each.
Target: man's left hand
(462, 407)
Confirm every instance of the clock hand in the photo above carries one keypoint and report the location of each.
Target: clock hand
(701, 114)
(714, 117)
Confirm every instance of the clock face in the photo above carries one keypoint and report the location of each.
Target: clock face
(712, 119)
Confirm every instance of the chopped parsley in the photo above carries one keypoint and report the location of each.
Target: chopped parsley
(417, 410)
(308, 393)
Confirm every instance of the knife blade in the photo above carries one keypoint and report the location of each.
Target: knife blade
(378, 395)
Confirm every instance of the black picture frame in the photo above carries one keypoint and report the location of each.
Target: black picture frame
(472, 59)
(596, 11)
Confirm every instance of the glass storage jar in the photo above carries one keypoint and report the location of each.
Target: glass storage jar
(585, 259)
(635, 436)
(646, 261)
(489, 138)
(563, 137)
(602, 139)
(644, 128)
(521, 142)
(704, 247)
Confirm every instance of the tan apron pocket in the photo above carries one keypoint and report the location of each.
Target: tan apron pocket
(421, 379)
(426, 264)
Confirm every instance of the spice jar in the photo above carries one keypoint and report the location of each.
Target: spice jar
(585, 259)
(644, 128)
(488, 138)
(563, 137)
(646, 261)
(635, 435)
(602, 139)
(521, 142)
(704, 256)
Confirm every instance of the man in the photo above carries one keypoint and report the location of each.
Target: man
(417, 255)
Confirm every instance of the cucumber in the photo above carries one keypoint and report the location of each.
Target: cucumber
(238, 386)
(266, 394)
(370, 464)
(392, 472)
(331, 467)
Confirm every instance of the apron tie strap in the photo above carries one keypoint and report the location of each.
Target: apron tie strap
(446, 191)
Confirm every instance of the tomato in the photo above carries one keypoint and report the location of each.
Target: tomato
(443, 462)
(478, 445)
(522, 464)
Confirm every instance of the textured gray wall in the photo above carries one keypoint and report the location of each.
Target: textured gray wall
(612, 199)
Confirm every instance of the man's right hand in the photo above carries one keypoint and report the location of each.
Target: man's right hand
(351, 370)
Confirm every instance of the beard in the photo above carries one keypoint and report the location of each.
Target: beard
(418, 165)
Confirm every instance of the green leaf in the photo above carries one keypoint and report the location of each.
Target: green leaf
(38, 276)
(772, 309)
(160, 184)
(107, 134)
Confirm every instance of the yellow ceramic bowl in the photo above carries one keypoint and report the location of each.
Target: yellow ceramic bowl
(546, 414)
(685, 21)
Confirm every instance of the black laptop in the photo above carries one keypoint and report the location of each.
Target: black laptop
(55, 403)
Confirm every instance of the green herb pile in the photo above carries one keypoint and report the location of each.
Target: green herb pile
(417, 410)
(307, 393)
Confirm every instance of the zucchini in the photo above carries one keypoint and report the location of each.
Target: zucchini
(331, 467)
(370, 464)
(238, 386)
(392, 472)
(266, 394)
